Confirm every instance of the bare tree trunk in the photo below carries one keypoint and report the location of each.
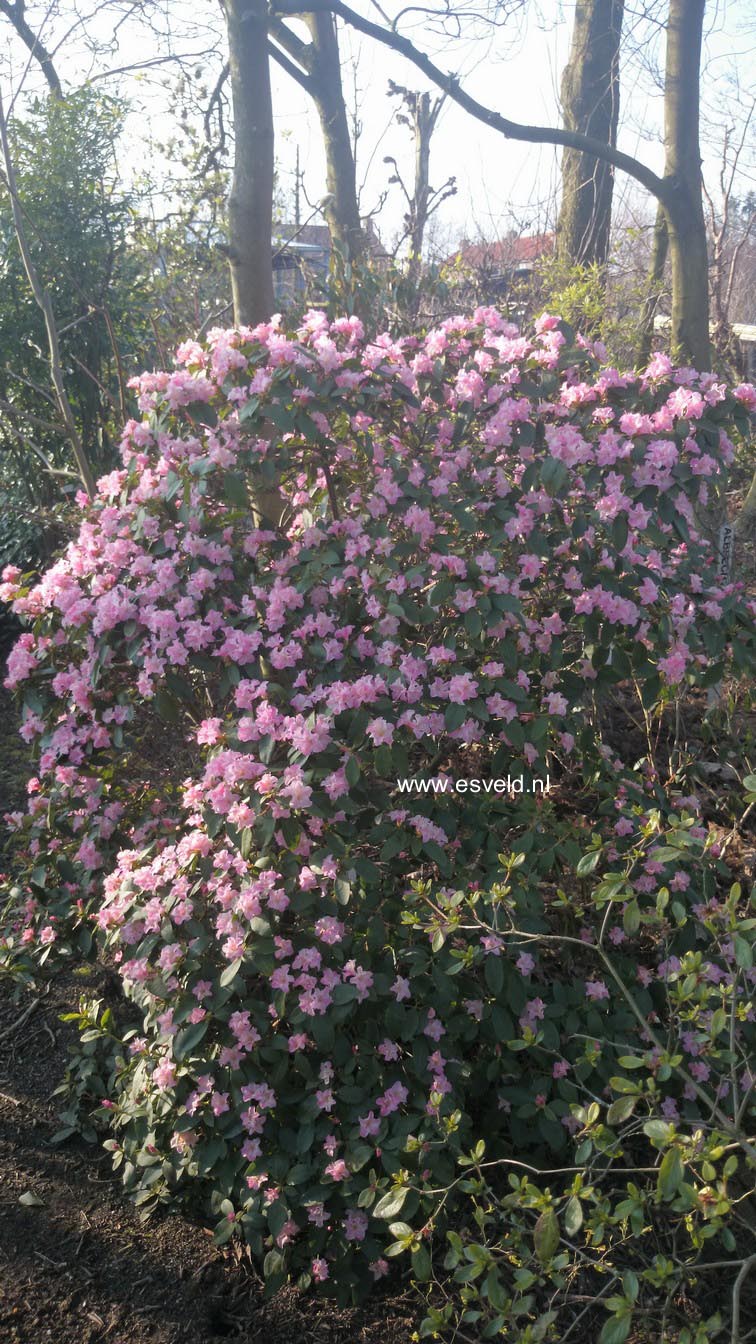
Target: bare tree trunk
(421, 116)
(316, 66)
(679, 190)
(342, 209)
(250, 203)
(590, 104)
(424, 118)
(683, 200)
(659, 253)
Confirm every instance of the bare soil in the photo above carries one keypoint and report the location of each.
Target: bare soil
(78, 1267)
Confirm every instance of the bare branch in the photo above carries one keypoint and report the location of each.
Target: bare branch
(513, 130)
(16, 16)
(291, 69)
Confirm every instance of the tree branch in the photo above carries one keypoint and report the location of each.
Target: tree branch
(291, 69)
(299, 50)
(512, 130)
(15, 15)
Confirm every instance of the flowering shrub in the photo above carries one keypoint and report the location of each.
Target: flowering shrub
(472, 540)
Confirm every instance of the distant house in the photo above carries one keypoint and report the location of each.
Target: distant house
(744, 338)
(302, 258)
(499, 266)
(745, 334)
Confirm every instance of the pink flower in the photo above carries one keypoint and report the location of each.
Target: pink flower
(556, 704)
(287, 1234)
(210, 731)
(369, 1125)
(380, 731)
(164, 1074)
(329, 930)
(530, 566)
(673, 666)
(746, 394)
(319, 1270)
(388, 1050)
(392, 1099)
(596, 989)
(338, 1170)
(462, 688)
(355, 1225)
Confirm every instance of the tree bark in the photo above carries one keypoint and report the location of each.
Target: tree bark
(250, 203)
(659, 253)
(15, 14)
(512, 130)
(342, 209)
(424, 118)
(680, 188)
(683, 197)
(590, 104)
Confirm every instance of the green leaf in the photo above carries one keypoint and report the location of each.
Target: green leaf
(671, 1174)
(573, 1216)
(743, 952)
(272, 1263)
(588, 863)
(391, 1203)
(624, 1085)
(658, 1131)
(494, 973)
(187, 1039)
(546, 1236)
(621, 1110)
(616, 1329)
(631, 918)
(229, 975)
(166, 707)
(421, 1264)
(454, 717)
(343, 890)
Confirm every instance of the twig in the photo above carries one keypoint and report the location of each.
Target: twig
(19, 1022)
(211, 318)
(745, 1270)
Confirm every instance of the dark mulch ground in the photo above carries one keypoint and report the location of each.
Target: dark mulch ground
(79, 1267)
